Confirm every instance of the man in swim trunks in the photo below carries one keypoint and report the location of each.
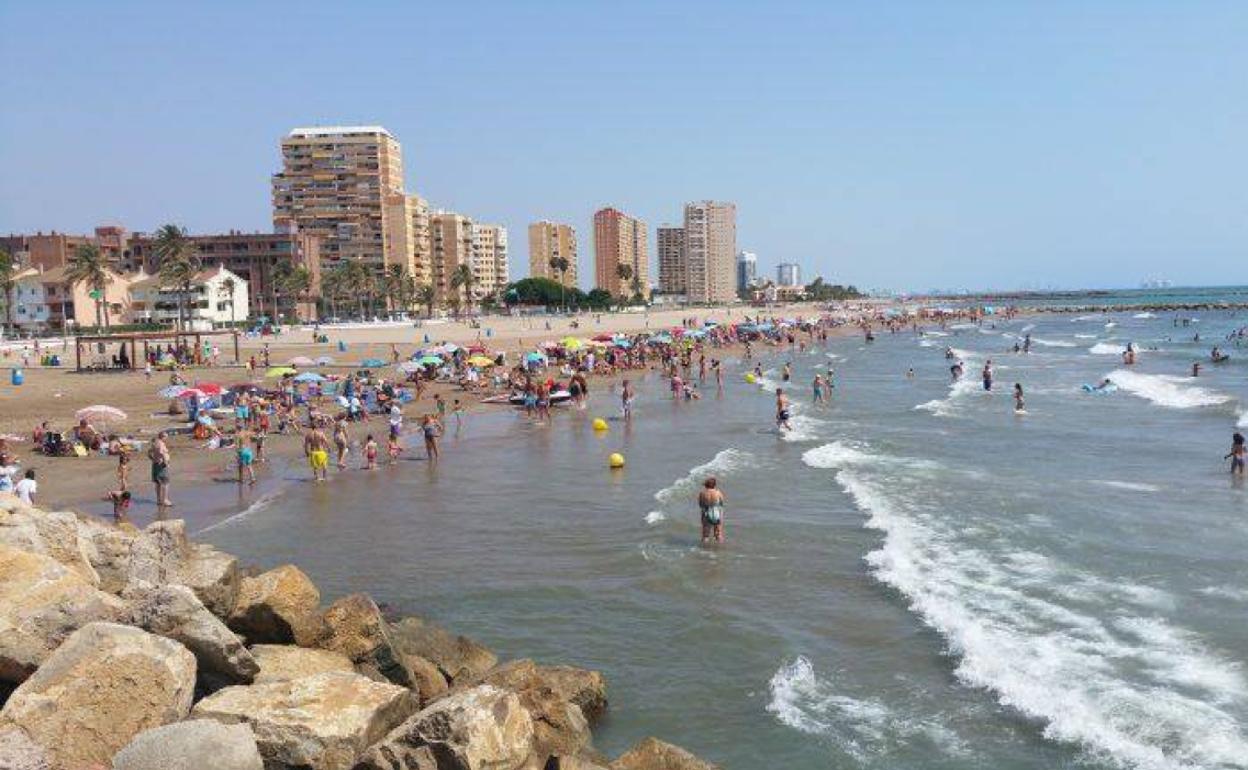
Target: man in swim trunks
(711, 502)
(988, 375)
(316, 447)
(782, 410)
(158, 453)
(244, 454)
(1237, 454)
(626, 399)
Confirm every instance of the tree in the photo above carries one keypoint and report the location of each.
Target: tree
(599, 299)
(462, 278)
(426, 295)
(8, 284)
(296, 282)
(87, 266)
(400, 287)
(177, 264)
(560, 265)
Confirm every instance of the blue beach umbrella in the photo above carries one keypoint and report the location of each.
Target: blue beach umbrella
(535, 357)
(309, 377)
(371, 362)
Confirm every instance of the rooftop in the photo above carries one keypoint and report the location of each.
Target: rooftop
(337, 131)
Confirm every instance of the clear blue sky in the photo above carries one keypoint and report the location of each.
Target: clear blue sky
(887, 144)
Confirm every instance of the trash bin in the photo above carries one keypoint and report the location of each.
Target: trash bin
(342, 346)
(18, 376)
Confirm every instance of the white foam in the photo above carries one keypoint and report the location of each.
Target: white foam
(1085, 336)
(1110, 324)
(1106, 349)
(722, 463)
(1084, 318)
(259, 504)
(654, 517)
(1027, 328)
(1138, 693)
(1167, 391)
(1143, 315)
(1053, 343)
(804, 428)
(1133, 486)
(1234, 593)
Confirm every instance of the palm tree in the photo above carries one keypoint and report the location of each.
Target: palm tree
(87, 265)
(463, 278)
(560, 265)
(334, 286)
(226, 292)
(427, 295)
(637, 287)
(8, 282)
(178, 264)
(296, 282)
(624, 272)
(399, 287)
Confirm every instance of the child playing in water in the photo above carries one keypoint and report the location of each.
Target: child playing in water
(370, 453)
(393, 448)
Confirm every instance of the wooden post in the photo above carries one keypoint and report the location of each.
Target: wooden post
(78, 354)
(237, 360)
(134, 354)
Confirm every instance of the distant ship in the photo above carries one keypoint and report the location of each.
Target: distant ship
(1156, 283)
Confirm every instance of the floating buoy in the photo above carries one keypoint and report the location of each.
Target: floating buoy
(616, 460)
(750, 378)
(600, 424)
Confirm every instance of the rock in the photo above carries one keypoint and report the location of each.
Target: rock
(104, 685)
(354, 627)
(482, 728)
(41, 603)
(214, 578)
(427, 679)
(281, 663)
(279, 606)
(585, 688)
(654, 754)
(174, 611)
(19, 752)
(560, 729)
(185, 745)
(50, 534)
(321, 722)
(457, 657)
(159, 553)
(108, 549)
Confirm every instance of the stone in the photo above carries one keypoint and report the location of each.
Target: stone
(50, 534)
(427, 679)
(560, 729)
(158, 553)
(354, 627)
(481, 728)
(281, 663)
(585, 688)
(458, 657)
(108, 549)
(213, 576)
(104, 685)
(42, 602)
(175, 612)
(279, 606)
(186, 745)
(321, 722)
(19, 752)
(654, 754)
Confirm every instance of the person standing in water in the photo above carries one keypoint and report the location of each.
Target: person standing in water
(431, 429)
(316, 448)
(158, 454)
(782, 410)
(711, 502)
(988, 375)
(1019, 406)
(818, 388)
(1237, 454)
(626, 399)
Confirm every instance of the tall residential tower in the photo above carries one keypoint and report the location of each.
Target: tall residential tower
(548, 240)
(620, 240)
(710, 251)
(673, 273)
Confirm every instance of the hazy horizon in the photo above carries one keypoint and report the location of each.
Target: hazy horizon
(907, 147)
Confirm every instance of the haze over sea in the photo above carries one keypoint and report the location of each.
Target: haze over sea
(915, 577)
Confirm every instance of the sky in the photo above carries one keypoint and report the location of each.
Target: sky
(891, 145)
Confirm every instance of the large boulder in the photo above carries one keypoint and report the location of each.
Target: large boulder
(282, 662)
(19, 752)
(321, 722)
(106, 684)
(214, 578)
(174, 611)
(353, 626)
(457, 657)
(654, 754)
(188, 745)
(108, 549)
(585, 688)
(279, 606)
(158, 553)
(482, 728)
(427, 679)
(41, 603)
(560, 729)
(50, 534)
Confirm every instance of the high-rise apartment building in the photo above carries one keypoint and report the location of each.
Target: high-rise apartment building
(451, 239)
(788, 274)
(710, 251)
(548, 240)
(489, 259)
(673, 274)
(747, 270)
(342, 183)
(407, 232)
(620, 240)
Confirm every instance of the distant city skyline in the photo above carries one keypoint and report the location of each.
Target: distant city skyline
(978, 146)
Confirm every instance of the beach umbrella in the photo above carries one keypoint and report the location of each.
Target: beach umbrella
(369, 363)
(280, 371)
(622, 343)
(324, 360)
(301, 361)
(192, 393)
(603, 338)
(172, 391)
(244, 387)
(100, 413)
(571, 343)
(535, 357)
(309, 377)
(407, 367)
(549, 344)
(481, 361)
(476, 349)
(429, 360)
(210, 388)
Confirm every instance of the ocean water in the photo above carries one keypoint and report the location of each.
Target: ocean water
(915, 577)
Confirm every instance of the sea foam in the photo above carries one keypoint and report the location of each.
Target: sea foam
(1168, 391)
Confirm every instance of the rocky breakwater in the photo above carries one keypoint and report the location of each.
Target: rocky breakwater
(136, 649)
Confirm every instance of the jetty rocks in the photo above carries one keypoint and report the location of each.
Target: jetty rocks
(136, 649)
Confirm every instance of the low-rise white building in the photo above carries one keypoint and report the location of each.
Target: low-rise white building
(217, 296)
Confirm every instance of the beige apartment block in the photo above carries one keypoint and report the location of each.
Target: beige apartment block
(710, 251)
(620, 239)
(338, 183)
(489, 260)
(548, 240)
(451, 239)
(407, 234)
(673, 277)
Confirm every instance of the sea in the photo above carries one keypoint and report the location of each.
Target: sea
(915, 576)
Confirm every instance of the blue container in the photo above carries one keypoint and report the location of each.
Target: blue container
(342, 346)
(18, 376)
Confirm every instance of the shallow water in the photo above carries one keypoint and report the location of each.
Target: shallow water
(918, 577)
